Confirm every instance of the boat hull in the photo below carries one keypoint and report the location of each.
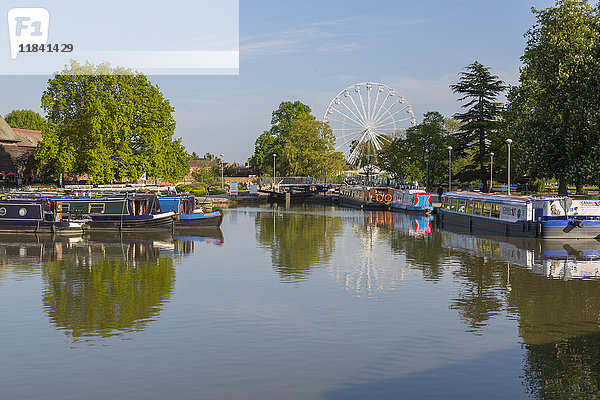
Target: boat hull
(40, 227)
(545, 229)
(205, 219)
(129, 223)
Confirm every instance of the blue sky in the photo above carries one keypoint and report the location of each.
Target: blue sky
(311, 50)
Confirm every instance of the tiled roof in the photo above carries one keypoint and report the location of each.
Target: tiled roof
(28, 138)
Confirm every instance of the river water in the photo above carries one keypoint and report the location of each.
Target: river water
(299, 303)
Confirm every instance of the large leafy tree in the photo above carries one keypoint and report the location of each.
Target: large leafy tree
(425, 144)
(480, 89)
(26, 119)
(554, 112)
(111, 124)
(309, 149)
(273, 141)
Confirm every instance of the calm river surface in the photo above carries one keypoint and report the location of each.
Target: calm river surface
(299, 303)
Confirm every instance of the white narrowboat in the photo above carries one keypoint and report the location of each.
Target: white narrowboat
(416, 200)
(526, 216)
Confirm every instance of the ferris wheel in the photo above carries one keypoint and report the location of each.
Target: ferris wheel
(364, 115)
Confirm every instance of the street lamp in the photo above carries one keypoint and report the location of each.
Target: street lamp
(221, 155)
(427, 170)
(508, 143)
(491, 170)
(274, 155)
(449, 168)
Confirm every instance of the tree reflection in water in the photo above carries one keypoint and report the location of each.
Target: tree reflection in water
(298, 241)
(106, 288)
(557, 318)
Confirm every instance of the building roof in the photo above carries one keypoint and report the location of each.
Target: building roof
(28, 137)
(7, 134)
(203, 163)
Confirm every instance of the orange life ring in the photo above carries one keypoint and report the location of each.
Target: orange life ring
(387, 198)
(59, 206)
(378, 197)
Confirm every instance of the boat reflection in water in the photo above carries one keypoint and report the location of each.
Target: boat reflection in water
(562, 259)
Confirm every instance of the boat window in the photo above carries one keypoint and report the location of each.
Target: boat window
(477, 207)
(65, 207)
(96, 208)
(461, 206)
(453, 204)
(469, 208)
(486, 209)
(445, 203)
(495, 210)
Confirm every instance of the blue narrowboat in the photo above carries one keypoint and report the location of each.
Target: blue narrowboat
(186, 215)
(35, 216)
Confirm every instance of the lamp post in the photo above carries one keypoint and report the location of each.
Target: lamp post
(449, 168)
(427, 170)
(491, 169)
(274, 155)
(508, 143)
(221, 155)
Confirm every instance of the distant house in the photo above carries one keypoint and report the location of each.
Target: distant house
(16, 146)
(203, 163)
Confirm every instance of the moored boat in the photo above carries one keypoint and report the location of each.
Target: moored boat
(526, 216)
(186, 214)
(36, 216)
(365, 198)
(127, 213)
(416, 200)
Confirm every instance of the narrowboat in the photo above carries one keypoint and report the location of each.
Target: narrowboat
(124, 213)
(365, 198)
(542, 217)
(416, 200)
(186, 214)
(36, 216)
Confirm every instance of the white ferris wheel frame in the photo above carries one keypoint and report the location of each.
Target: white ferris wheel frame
(372, 122)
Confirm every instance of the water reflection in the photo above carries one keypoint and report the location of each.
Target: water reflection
(298, 242)
(108, 285)
(566, 259)
(368, 265)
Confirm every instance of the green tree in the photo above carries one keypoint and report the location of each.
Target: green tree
(25, 119)
(407, 157)
(207, 176)
(111, 124)
(309, 149)
(272, 141)
(554, 112)
(481, 120)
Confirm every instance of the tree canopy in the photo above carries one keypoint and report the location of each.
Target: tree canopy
(309, 149)
(479, 88)
(26, 119)
(272, 141)
(425, 144)
(111, 124)
(554, 112)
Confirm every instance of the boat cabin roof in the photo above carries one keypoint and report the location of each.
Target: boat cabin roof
(490, 198)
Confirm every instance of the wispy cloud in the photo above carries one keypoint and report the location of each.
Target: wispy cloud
(307, 37)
